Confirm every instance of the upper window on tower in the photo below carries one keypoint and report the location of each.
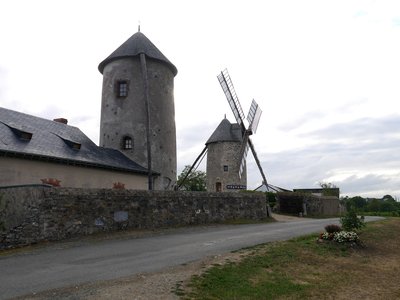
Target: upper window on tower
(122, 88)
(127, 143)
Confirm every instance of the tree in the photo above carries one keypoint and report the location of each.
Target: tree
(374, 205)
(196, 181)
(357, 202)
(328, 189)
(351, 222)
(388, 206)
(388, 198)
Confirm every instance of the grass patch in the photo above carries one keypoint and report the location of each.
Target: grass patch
(304, 269)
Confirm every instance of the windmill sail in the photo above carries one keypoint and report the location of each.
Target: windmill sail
(254, 116)
(243, 154)
(227, 86)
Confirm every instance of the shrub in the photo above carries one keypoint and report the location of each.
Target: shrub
(332, 228)
(271, 199)
(351, 222)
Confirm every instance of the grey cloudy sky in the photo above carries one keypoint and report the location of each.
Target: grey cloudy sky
(326, 74)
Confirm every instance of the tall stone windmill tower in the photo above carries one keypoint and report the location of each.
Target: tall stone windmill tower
(137, 108)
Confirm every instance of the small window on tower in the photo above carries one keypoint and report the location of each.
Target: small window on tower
(127, 143)
(225, 168)
(122, 88)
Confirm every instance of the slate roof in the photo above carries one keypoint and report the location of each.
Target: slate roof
(226, 132)
(27, 136)
(135, 45)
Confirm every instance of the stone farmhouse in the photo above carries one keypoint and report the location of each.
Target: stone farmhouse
(137, 131)
(40, 151)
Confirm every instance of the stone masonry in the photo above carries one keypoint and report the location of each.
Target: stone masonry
(30, 215)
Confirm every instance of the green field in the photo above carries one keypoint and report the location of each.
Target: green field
(304, 269)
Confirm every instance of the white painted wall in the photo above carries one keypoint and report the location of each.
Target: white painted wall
(16, 171)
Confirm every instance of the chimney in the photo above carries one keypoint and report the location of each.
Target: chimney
(61, 120)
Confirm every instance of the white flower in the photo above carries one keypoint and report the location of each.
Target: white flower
(345, 236)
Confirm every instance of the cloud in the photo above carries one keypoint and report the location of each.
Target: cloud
(361, 157)
(305, 118)
(396, 21)
(372, 185)
(365, 128)
(191, 141)
(3, 84)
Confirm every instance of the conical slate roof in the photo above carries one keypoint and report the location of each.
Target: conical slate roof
(226, 132)
(135, 45)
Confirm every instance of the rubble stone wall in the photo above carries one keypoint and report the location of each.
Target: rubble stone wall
(33, 214)
(308, 204)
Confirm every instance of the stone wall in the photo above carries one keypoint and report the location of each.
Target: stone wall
(34, 214)
(308, 204)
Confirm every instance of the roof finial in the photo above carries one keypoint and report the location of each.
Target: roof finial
(139, 27)
(225, 116)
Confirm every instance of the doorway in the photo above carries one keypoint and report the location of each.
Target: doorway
(218, 187)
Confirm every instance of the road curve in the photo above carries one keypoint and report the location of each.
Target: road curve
(55, 267)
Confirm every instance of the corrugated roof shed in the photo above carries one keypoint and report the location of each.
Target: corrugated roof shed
(26, 136)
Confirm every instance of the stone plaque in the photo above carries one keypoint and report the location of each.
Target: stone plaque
(120, 216)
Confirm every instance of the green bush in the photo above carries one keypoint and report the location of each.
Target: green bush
(351, 222)
(271, 199)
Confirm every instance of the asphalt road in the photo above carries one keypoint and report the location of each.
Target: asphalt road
(59, 266)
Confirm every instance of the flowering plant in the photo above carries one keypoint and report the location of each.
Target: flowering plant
(340, 237)
(51, 181)
(118, 185)
(345, 237)
(326, 236)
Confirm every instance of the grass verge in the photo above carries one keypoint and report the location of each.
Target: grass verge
(304, 269)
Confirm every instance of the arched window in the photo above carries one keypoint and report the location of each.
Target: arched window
(127, 143)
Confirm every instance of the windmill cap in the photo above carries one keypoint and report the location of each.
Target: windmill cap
(226, 132)
(135, 45)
